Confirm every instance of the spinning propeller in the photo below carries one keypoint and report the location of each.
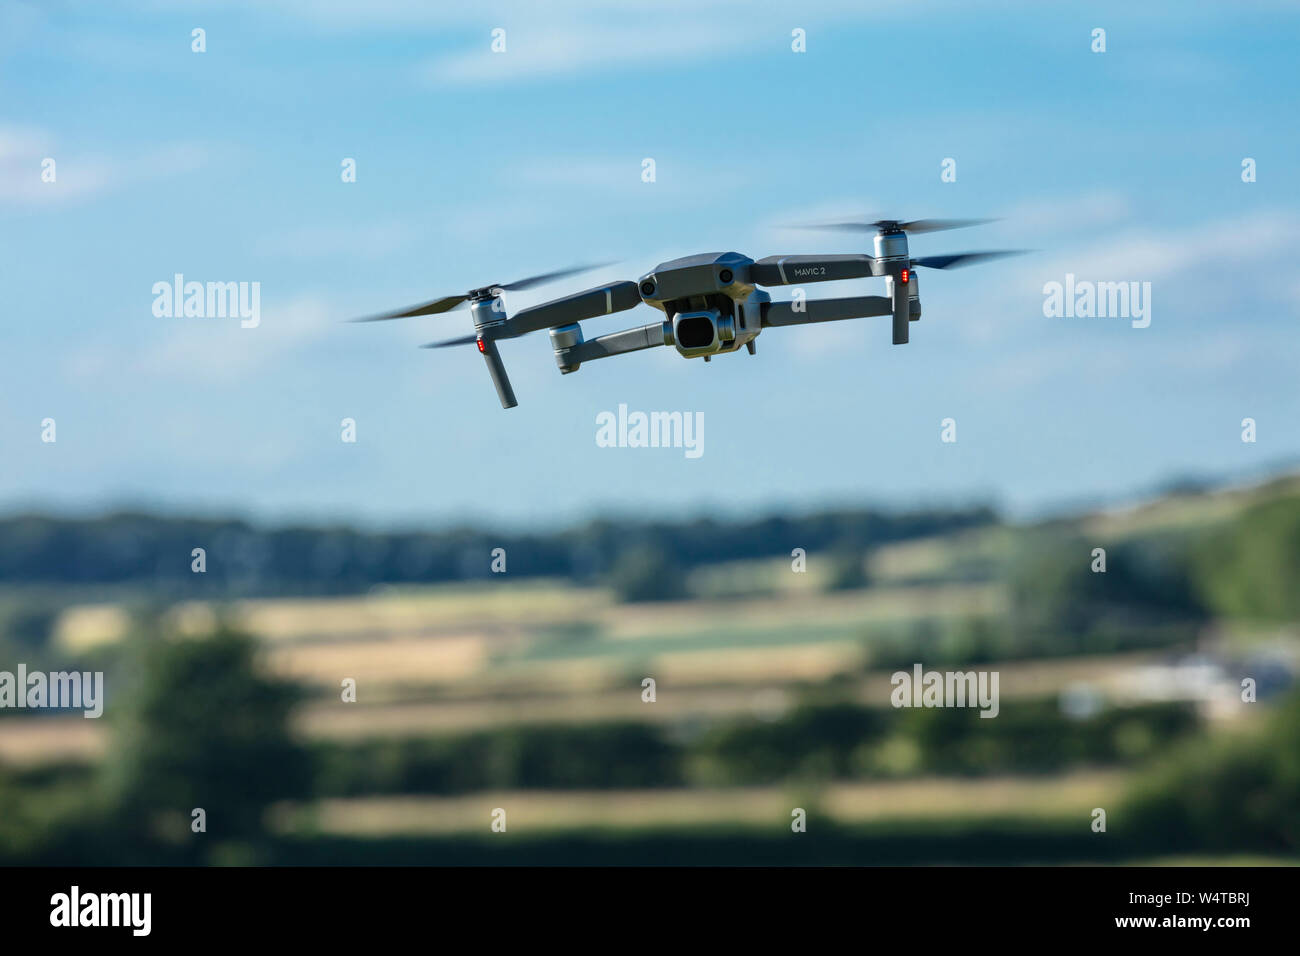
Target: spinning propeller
(895, 225)
(891, 250)
(491, 322)
(449, 302)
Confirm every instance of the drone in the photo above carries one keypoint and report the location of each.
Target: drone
(712, 303)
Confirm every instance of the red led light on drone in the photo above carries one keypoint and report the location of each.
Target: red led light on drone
(904, 276)
(481, 346)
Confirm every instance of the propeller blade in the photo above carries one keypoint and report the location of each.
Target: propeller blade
(939, 225)
(448, 343)
(445, 304)
(875, 225)
(531, 281)
(961, 259)
(835, 226)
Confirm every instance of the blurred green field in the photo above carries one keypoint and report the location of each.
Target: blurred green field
(1062, 798)
(771, 691)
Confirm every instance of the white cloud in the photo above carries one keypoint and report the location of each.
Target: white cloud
(1072, 213)
(784, 226)
(370, 241)
(667, 16)
(580, 172)
(574, 47)
(1196, 273)
(1204, 251)
(194, 348)
(618, 179)
(210, 350)
(23, 150)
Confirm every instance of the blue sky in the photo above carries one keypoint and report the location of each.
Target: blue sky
(475, 167)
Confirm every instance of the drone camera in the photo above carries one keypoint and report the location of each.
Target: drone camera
(702, 333)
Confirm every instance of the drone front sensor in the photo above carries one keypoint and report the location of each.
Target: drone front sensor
(712, 303)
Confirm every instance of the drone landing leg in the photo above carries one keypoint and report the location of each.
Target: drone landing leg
(497, 369)
(900, 307)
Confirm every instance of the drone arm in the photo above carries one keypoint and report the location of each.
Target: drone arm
(591, 304)
(793, 270)
(615, 343)
(776, 314)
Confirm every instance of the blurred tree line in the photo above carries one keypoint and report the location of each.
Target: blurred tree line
(1250, 568)
(1238, 792)
(1157, 587)
(155, 552)
(198, 726)
(814, 741)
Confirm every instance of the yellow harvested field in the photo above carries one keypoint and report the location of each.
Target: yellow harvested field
(433, 610)
(83, 628)
(541, 811)
(27, 741)
(411, 660)
(745, 665)
(424, 610)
